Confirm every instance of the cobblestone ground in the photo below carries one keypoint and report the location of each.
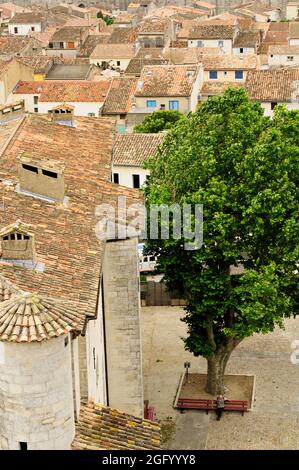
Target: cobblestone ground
(274, 421)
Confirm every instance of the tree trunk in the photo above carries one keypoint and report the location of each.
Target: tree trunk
(216, 369)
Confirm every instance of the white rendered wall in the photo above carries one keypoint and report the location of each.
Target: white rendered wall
(95, 352)
(36, 399)
(80, 109)
(24, 29)
(126, 174)
(226, 48)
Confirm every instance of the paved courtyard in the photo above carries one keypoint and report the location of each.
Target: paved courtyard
(274, 421)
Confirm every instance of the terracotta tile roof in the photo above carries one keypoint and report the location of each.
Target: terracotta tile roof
(271, 85)
(133, 149)
(68, 90)
(39, 63)
(122, 35)
(273, 38)
(66, 244)
(91, 42)
(69, 33)
(149, 53)
(230, 62)
(167, 80)
(113, 51)
(9, 8)
(100, 427)
(120, 95)
(210, 88)
(13, 44)
(26, 18)
(6, 131)
(44, 36)
(212, 31)
(153, 24)
(135, 66)
(7, 289)
(182, 56)
(26, 317)
(283, 50)
(279, 26)
(246, 39)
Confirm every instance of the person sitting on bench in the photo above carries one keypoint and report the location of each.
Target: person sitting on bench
(219, 406)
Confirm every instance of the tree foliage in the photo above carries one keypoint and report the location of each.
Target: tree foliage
(244, 169)
(159, 121)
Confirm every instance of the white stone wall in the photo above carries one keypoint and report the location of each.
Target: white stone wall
(36, 402)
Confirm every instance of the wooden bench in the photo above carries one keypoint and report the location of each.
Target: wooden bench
(196, 404)
(236, 405)
(210, 405)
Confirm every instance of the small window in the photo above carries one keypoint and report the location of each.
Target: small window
(118, 63)
(174, 105)
(30, 168)
(35, 99)
(32, 28)
(239, 74)
(36, 110)
(225, 73)
(241, 50)
(16, 30)
(122, 116)
(66, 341)
(213, 75)
(273, 104)
(116, 178)
(51, 174)
(136, 181)
(50, 45)
(23, 446)
(290, 58)
(220, 43)
(91, 114)
(61, 45)
(200, 44)
(162, 107)
(151, 103)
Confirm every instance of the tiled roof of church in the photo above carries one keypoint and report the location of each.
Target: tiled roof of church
(104, 428)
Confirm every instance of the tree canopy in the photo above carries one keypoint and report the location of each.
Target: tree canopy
(244, 168)
(159, 121)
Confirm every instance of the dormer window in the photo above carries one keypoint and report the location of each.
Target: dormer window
(41, 178)
(17, 243)
(63, 114)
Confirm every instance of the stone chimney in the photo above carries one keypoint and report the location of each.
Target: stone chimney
(63, 114)
(41, 177)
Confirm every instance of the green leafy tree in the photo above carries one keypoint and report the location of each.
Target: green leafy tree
(159, 121)
(108, 19)
(244, 168)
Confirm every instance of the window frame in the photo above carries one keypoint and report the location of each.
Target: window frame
(241, 72)
(213, 72)
(170, 104)
(133, 180)
(150, 105)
